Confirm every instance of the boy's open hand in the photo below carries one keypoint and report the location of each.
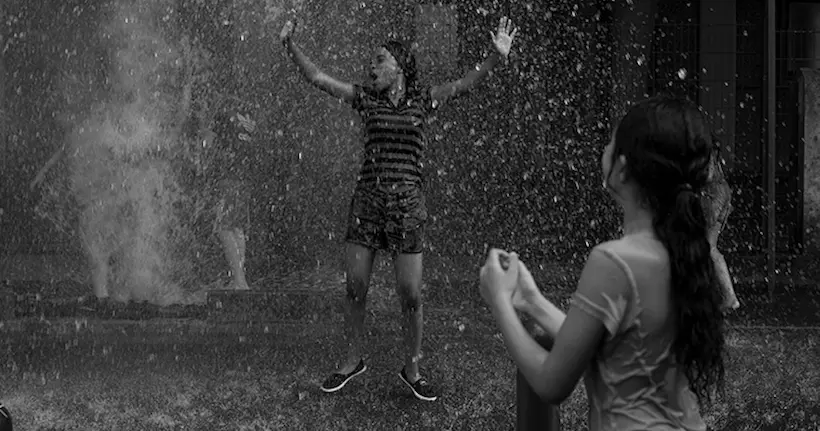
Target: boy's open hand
(504, 36)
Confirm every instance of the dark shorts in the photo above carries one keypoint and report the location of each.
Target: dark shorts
(387, 219)
(232, 210)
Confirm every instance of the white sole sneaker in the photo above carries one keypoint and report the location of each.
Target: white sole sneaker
(342, 378)
(413, 388)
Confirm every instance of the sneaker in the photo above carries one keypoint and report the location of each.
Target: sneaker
(337, 381)
(421, 389)
(5, 419)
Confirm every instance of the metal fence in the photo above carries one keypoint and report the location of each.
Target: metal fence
(724, 66)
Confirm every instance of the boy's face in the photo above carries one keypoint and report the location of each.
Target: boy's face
(384, 69)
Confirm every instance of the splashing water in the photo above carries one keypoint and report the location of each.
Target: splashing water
(119, 157)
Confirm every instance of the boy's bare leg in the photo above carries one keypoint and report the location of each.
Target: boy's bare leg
(96, 253)
(408, 268)
(722, 269)
(233, 244)
(99, 276)
(359, 262)
(242, 241)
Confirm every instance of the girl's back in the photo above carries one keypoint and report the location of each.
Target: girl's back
(633, 382)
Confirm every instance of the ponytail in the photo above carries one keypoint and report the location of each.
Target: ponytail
(681, 226)
(668, 147)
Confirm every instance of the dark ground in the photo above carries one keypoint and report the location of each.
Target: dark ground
(188, 375)
(254, 361)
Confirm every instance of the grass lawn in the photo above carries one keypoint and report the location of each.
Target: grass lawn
(76, 374)
(164, 378)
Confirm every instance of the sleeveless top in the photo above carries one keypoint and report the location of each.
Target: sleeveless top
(633, 382)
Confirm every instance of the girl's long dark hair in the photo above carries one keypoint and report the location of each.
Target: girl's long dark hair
(668, 147)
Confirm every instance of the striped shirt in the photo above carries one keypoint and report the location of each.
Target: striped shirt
(394, 137)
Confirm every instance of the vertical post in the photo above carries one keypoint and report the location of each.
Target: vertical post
(532, 412)
(771, 129)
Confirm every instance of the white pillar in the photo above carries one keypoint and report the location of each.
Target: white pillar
(809, 104)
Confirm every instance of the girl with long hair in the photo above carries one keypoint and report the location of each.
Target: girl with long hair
(646, 325)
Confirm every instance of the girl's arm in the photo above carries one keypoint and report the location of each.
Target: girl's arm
(546, 315)
(441, 93)
(311, 72)
(598, 309)
(529, 300)
(502, 42)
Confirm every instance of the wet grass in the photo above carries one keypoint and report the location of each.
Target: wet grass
(246, 380)
(158, 377)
